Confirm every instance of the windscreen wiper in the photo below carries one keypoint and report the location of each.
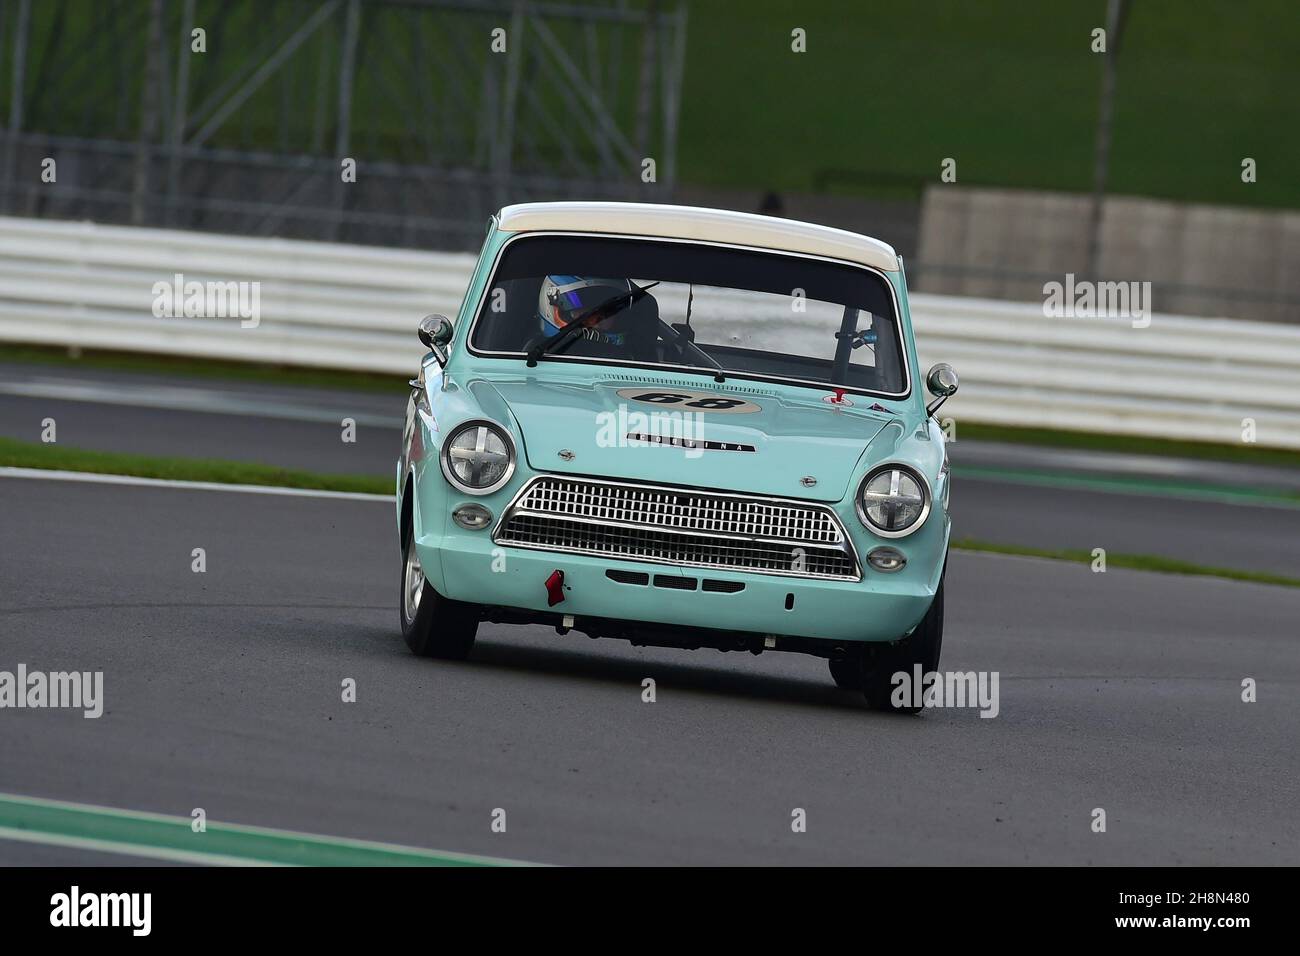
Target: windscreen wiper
(611, 306)
(686, 341)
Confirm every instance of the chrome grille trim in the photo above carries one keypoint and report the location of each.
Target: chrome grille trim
(682, 526)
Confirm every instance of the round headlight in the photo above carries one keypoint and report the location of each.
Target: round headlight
(893, 500)
(478, 457)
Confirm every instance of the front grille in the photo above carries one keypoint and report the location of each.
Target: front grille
(679, 526)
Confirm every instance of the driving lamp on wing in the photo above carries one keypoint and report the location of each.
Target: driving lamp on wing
(472, 517)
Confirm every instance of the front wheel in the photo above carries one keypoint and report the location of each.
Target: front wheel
(922, 647)
(432, 625)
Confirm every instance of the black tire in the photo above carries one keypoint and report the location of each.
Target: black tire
(847, 673)
(922, 647)
(432, 625)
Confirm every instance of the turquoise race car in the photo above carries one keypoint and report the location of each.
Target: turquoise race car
(680, 427)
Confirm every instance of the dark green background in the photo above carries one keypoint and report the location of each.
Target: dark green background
(1009, 88)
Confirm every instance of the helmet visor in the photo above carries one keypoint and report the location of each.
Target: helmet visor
(566, 298)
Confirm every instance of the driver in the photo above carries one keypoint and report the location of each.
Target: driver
(563, 298)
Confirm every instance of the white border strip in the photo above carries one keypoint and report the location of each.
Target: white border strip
(130, 849)
(346, 843)
(107, 479)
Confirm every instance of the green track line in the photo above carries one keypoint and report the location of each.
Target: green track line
(157, 836)
(1137, 562)
(1145, 445)
(1132, 484)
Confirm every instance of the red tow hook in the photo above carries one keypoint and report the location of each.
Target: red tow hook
(555, 588)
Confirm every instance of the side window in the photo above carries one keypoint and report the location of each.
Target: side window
(508, 317)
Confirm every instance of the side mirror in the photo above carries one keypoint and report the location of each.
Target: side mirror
(942, 383)
(435, 332)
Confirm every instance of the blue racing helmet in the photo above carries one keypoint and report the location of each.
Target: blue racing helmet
(564, 298)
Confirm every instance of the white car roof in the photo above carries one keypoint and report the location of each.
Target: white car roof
(698, 222)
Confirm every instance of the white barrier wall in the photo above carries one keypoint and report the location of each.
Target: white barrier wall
(356, 307)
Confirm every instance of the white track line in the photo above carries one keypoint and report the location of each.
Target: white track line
(128, 849)
(93, 478)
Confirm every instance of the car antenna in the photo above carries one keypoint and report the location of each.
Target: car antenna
(690, 301)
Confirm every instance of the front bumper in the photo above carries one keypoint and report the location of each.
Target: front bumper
(468, 566)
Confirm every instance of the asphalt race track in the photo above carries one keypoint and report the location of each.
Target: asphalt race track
(193, 418)
(1118, 690)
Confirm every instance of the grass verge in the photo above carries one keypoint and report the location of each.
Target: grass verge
(21, 454)
(1138, 562)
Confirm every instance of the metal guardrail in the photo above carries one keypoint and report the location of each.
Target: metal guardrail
(1180, 377)
(355, 307)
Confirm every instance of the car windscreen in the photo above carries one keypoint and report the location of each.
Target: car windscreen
(651, 302)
